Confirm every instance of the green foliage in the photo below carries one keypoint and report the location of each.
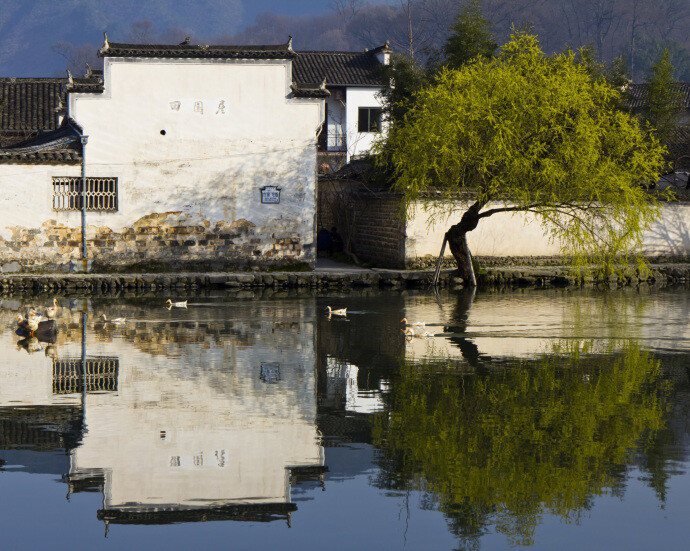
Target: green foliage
(662, 106)
(527, 132)
(404, 79)
(508, 446)
(470, 37)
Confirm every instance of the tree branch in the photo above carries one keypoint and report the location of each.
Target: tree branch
(489, 212)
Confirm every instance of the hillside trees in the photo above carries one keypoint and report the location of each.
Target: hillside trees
(470, 37)
(524, 132)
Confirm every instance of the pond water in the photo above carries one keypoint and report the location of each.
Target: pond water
(541, 419)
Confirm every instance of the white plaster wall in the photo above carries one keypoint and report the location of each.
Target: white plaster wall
(234, 434)
(210, 165)
(521, 234)
(26, 200)
(359, 143)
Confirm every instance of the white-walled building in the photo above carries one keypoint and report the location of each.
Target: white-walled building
(197, 157)
(353, 111)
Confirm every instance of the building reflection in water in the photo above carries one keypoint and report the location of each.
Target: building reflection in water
(195, 418)
(343, 392)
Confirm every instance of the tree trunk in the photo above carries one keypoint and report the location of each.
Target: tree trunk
(457, 241)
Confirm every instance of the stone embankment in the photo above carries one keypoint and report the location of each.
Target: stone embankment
(543, 276)
(116, 283)
(534, 276)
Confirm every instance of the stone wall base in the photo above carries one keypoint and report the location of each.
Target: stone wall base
(159, 242)
(184, 283)
(429, 261)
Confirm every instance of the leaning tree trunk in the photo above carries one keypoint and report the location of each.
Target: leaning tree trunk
(457, 241)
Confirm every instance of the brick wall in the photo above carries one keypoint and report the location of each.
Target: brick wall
(370, 222)
(155, 242)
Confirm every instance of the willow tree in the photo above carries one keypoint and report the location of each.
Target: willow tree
(528, 132)
(506, 447)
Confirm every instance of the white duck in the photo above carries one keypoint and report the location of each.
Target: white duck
(28, 323)
(171, 304)
(114, 321)
(31, 313)
(51, 311)
(409, 333)
(339, 312)
(413, 323)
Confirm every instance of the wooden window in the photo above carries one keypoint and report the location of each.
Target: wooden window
(101, 194)
(369, 119)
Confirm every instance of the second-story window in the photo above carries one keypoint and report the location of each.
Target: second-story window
(369, 119)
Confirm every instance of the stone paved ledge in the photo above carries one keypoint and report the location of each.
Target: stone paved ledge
(536, 276)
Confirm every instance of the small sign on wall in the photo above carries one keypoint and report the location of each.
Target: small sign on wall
(270, 194)
(270, 372)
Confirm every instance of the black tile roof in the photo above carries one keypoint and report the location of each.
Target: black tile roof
(310, 91)
(338, 68)
(636, 95)
(169, 513)
(29, 104)
(91, 85)
(186, 50)
(60, 146)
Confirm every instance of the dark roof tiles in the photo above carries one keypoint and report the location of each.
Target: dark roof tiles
(60, 157)
(338, 68)
(310, 91)
(636, 95)
(92, 85)
(29, 104)
(60, 146)
(184, 50)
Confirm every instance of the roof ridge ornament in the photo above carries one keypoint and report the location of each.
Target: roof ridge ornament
(185, 42)
(70, 80)
(89, 72)
(106, 44)
(322, 86)
(60, 108)
(289, 44)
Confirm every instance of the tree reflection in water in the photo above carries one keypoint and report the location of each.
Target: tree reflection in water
(505, 445)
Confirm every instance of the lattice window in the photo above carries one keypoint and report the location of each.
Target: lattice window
(101, 193)
(101, 375)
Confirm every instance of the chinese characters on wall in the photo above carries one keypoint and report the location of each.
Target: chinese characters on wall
(199, 107)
